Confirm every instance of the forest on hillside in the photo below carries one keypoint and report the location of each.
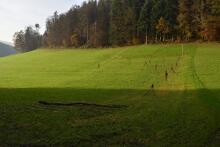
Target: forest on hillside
(106, 23)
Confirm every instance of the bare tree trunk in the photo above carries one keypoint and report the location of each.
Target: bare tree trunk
(95, 33)
(87, 34)
(146, 38)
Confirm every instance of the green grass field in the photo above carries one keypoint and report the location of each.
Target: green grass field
(181, 111)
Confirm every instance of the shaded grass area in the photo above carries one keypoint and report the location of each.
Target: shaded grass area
(170, 118)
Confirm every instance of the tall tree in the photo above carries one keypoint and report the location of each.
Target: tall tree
(121, 22)
(171, 13)
(136, 6)
(162, 28)
(27, 40)
(185, 19)
(19, 41)
(90, 18)
(103, 22)
(145, 21)
(53, 30)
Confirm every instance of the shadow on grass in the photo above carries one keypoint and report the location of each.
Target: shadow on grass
(189, 118)
(100, 96)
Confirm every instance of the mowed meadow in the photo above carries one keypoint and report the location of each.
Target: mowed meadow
(124, 96)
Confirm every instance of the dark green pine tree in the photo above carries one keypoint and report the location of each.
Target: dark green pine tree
(171, 13)
(145, 21)
(136, 6)
(71, 23)
(91, 15)
(121, 22)
(103, 22)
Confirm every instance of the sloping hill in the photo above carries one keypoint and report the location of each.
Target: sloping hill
(60, 97)
(6, 50)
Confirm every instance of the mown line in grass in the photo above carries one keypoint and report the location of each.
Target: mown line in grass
(208, 99)
(170, 70)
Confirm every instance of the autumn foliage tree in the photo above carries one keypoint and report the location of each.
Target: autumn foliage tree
(162, 28)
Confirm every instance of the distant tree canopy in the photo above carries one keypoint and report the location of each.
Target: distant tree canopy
(126, 22)
(28, 40)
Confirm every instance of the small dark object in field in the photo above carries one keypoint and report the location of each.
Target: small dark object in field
(172, 69)
(145, 62)
(149, 90)
(152, 86)
(81, 104)
(166, 75)
(98, 66)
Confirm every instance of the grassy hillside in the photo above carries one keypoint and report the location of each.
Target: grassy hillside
(181, 111)
(6, 50)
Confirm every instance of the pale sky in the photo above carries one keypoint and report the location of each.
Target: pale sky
(17, 14)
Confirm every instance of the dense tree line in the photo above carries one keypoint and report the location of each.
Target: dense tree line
(126, 22)
(28, 40)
